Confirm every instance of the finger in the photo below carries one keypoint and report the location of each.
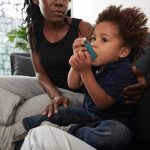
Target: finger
(136, 71)
(88, 56)
(56, 105)
(132, 98)
(133, 93)
(81, 56)
(51, 110)
(45, 111)
(73, 60)
(79, 49)
(136, 87)
(78, 43)
(65, 103)
(80, 40)
(77, 59)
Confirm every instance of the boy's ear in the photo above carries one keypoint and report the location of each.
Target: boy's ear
(36, 2)
(125, 51)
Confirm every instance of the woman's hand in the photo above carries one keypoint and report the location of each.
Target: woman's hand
(133, 93)
(53, 107)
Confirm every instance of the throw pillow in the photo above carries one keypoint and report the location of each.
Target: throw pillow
(23, 66)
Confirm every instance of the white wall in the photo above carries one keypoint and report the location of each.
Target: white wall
(88, 9)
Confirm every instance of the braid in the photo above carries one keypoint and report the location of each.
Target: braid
(34, 20)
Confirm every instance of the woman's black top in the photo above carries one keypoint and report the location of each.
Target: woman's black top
(55, 56)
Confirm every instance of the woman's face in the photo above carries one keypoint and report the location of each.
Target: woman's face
(53, 10)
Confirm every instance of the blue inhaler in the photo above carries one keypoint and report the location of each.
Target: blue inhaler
(89, 48)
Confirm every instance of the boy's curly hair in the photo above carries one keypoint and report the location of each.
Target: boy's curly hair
(131, 23)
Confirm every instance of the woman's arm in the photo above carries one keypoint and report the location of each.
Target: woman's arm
(86, 29)
(43, 78)
(133, 93)
(48, 86)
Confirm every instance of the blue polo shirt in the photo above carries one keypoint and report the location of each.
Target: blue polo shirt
(113, 78)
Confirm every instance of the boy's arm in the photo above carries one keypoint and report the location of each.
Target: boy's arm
(98, 95)
(74, 79)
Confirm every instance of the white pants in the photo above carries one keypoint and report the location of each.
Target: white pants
(51, 138)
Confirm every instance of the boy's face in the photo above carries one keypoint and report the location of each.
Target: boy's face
(106, 43)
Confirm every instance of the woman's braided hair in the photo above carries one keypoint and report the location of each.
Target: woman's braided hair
(35, 22)
(131, 23)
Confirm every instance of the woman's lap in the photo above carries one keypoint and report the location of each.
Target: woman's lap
(51, 138)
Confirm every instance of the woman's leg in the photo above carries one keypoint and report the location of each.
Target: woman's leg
(51, 138)
(75, 99)
(107, 135)
(13, 91)
(23, 86)
(28, 87)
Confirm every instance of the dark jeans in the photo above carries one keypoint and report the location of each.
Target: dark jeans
(101, 134)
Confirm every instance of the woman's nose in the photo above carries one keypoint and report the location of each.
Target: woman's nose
(59, 2)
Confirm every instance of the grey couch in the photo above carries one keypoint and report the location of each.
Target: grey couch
(21, 65)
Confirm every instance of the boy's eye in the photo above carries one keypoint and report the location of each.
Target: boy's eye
(93, 38)
(104, 39)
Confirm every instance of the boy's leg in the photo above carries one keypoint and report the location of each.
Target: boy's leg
(51, 138)
(107, 134)
(64, 117)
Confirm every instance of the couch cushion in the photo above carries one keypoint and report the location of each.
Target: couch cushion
(23, 66)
